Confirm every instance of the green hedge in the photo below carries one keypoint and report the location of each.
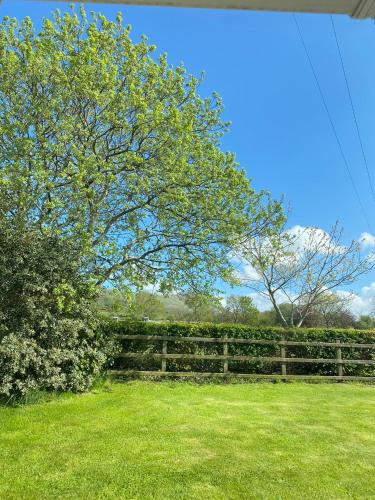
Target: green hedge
(235, 331)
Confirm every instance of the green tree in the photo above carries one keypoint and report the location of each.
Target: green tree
(104, 144)
(365, 322)
(148, 305)
(202, 307)
(240, 309)
(111, 302)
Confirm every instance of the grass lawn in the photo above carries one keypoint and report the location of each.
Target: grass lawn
(177, 440)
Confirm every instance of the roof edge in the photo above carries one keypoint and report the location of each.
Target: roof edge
(365, 9)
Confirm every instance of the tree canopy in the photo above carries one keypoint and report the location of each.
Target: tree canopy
(104, 143)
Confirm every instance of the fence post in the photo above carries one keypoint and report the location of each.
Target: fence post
(283, 356)
(225, 353)
(164, 361)
(340, 371)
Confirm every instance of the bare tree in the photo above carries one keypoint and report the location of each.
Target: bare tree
(300, 267)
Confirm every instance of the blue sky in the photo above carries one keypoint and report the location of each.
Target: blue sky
(279, 131)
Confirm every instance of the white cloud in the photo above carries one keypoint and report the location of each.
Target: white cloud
(250, 273)
(301, 239)
(362, 302)
(367, 240)
(304, 237)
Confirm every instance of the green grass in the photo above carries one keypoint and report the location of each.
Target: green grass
(177, 440)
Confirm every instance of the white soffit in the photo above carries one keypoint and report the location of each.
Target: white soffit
(359, 9)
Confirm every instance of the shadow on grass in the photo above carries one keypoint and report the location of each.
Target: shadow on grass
(101, 384)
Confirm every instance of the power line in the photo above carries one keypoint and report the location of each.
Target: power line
(353, 109)
(331, 122)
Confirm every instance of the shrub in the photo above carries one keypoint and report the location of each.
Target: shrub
(238, 331)
(49, 338)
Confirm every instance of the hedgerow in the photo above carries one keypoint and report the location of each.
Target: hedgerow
(176, 330)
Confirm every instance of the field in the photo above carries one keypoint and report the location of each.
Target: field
(183, 441)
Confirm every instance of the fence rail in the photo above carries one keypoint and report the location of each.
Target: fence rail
(283, 359)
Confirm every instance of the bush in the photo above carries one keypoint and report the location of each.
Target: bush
(74, 357)
(237, 331)
(49, 338)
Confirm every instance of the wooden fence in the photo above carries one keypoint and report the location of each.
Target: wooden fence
(283, 360)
